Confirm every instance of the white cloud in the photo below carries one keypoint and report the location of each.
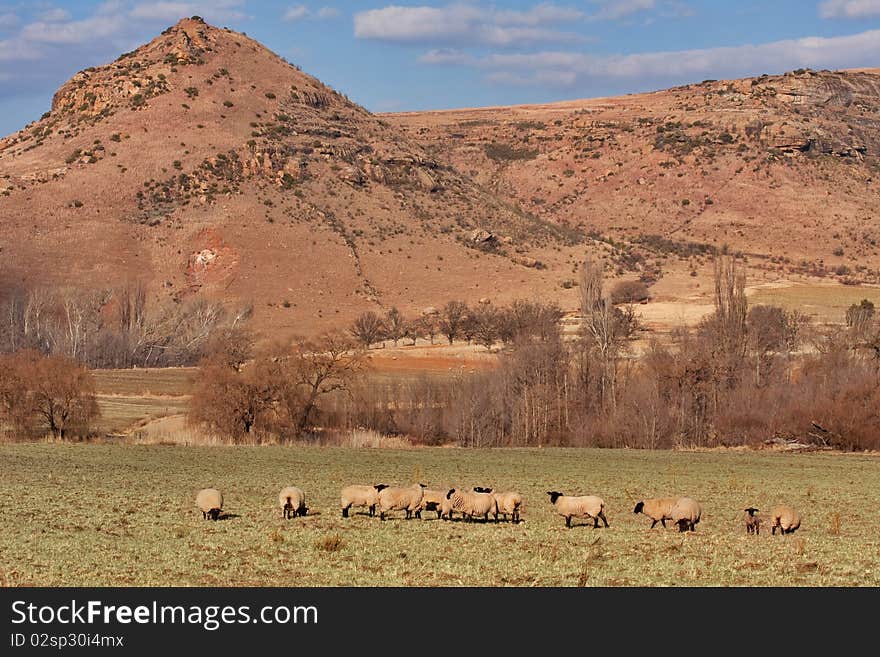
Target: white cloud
(615, 9)
(295, 14)
(55, 15)
(464, 24)
(849, 8)
(572, 68)
(301, 12)
(171, 12)
(72, 32)
(8, 20)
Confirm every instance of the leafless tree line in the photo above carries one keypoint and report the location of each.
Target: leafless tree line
(111, 328)
(484, 324)
(742, 376)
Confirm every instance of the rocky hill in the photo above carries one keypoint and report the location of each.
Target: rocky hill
(204, 164)
(781, 168)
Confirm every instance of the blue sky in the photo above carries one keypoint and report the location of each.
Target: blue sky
(402, 55)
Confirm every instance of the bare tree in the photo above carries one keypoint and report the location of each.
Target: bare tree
(62, 394)
(367, 329)
(395, 325)
(452, 319)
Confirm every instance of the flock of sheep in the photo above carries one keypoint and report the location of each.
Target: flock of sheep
(479, 502)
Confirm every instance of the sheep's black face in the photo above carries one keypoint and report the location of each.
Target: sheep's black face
(554, 495)
(449, 494)
(639, 507)
(380, 487)
(751, 511)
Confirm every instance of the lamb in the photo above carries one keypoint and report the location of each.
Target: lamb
(356, 495)
(753, 521)
(656, 508)
(786, 519)
(393, 498)
(508, 503)
(686, 514)
(476, 502)
(432, 500)
(292, 501)
(210, 501)
(584, 506)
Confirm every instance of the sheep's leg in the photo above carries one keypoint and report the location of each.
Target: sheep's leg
(381, 515)
(568, 521)
(604, 519)
(663, 522)
(439, 514)
(373, 511)
(345, 512)
(654, 523)
(204, 516)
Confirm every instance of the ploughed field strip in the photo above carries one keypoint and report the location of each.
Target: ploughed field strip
(126, 515)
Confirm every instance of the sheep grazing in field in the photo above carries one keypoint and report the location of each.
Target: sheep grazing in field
(365, 496)
(508, 504)
(784, 518)
(583, 506)
(753, 521)
(210, 501)
(658, 509)
(292, 501)
(432, 500)
(394, 498)
(470, 504)
(686, 514)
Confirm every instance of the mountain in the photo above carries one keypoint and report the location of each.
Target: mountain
(202, 164)
(784, 168)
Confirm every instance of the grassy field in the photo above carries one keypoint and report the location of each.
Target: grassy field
(125, 515)
(825, 303)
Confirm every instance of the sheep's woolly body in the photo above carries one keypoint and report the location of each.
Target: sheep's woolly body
(432, 500)
(508, 503)
(686, 514)
(357, 495)
(292, 501)
(210, 502)
(395, 498)
(785, 519)
(658, 509)
(471, 503)
(582, 506)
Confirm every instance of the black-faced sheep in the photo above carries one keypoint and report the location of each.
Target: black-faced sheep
(658, 509)
(356, 495)
(432, 500)
(753, 521)
(584, 506)
(292, 501)
(394, 498)
(784, 518)
(686, 514)
(210, 501)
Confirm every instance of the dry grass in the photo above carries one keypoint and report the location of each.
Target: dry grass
(125, 515)
(826, 303)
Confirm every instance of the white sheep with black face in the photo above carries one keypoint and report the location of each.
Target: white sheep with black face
(785, 519)
(582, 506)
(292, 501)
(360, 496)
(471, 504)
(210, 502)
(686, 514)
(509, 504)
(658, 509)
(432, 500)
(395, 498)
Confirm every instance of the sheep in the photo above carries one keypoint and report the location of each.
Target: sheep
(292, 501)
(394, 498)
(356, 495)
(210, 501)
(432, 500)
(686, 514)
(588, 506)
(786, 519)
(656, 508)
(475, 502)
(753, 521)
(509, 503)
